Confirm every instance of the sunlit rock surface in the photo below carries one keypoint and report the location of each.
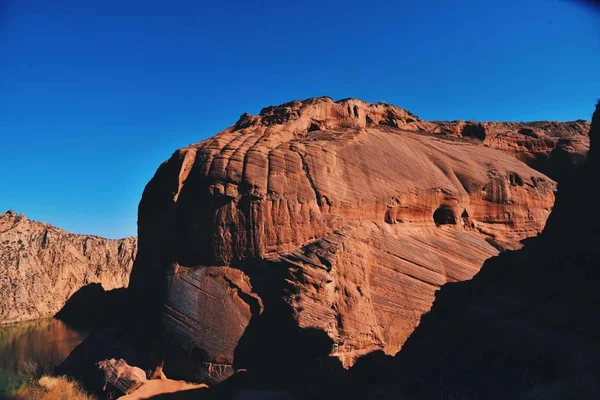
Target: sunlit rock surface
(342, 217)
(42, 266)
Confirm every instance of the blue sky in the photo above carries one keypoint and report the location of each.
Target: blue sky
(94, 95)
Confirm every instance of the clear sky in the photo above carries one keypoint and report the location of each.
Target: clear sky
(94, 95)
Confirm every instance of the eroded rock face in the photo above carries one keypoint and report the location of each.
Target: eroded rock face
(548, 146)
(526, 326)
(330, 224)
(42, 266)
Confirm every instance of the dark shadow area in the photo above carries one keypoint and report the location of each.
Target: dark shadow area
(373, 369)
(278, 353)
(473, 130)
(515, 179)
(92, 307)
(561, 163)
(594, 5)
(197, 222)
(444, 216)
(465, 220)
(118, 330)
(156, 240)
(139, 345)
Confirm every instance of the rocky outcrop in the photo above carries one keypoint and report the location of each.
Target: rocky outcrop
(550, 147)
(525, 327)
(42, 266)
(322, 228)
(120, 377)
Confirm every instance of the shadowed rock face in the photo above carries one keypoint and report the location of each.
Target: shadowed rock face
(336, 217)
(42, 266)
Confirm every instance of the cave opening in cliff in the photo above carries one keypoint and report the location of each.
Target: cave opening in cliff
(444, 216)
(476, 131)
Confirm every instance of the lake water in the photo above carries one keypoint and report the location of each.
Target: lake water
(34, 347)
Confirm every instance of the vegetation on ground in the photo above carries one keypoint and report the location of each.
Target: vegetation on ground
(50, 388)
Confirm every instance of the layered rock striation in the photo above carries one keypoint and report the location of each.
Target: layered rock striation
(42, 266)
(332, 224)
(526, 326)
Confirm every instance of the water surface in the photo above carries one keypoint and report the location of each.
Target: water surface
(33, 348)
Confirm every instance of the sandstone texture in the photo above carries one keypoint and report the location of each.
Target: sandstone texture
(121, 377)
(527, 326)
(42, 266)
(548, 146)
(324, 228)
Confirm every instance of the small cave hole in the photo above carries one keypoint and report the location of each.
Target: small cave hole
(515, 179)
(314, 127)
(476, 131)
(444, 216)
(528, 132)
(465, 221)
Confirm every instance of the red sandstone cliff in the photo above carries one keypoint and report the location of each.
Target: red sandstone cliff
(527, 326)
(342, 217)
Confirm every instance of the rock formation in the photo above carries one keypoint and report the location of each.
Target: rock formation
(42, 266)
(526, 326)
(120, 377)
(549, 147)
(325, 228)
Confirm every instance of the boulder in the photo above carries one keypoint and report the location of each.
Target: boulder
(120, 377)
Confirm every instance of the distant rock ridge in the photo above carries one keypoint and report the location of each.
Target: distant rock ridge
(322, 224)
(42, 266)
